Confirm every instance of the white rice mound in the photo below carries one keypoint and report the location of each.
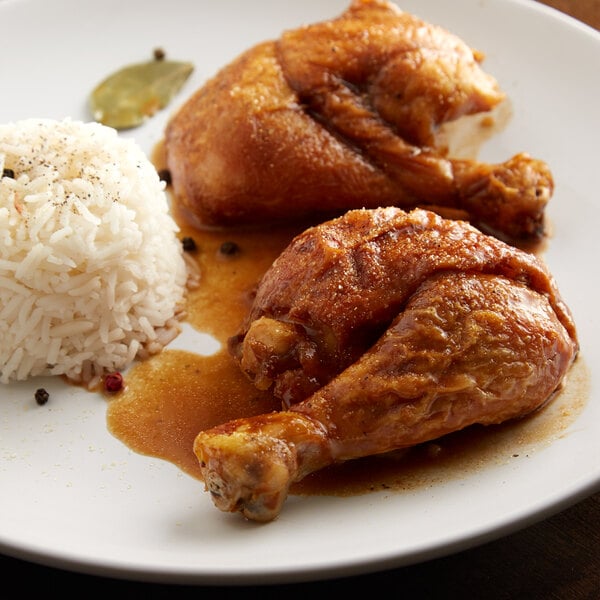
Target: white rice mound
(92, 274)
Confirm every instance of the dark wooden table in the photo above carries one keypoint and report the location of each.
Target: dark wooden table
(555, 559)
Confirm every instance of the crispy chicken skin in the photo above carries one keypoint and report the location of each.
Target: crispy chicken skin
(380, 330)
(343, 114)
(336, 288)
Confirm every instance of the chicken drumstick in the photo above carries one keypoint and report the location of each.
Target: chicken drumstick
(469, 330)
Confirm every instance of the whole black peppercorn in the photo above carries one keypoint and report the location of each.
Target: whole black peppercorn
(41, 396)
(8, 173)
(165, 175)
(159, 54)
(229, 248)
(189, 244)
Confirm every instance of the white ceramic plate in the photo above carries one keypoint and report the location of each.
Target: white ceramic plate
(75, 497)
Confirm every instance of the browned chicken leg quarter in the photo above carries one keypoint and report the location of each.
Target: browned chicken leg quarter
(344, 114)
(380, 330)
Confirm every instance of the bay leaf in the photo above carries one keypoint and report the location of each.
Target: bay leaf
(131, 95)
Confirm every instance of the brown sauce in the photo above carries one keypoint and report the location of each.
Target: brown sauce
(172, 396)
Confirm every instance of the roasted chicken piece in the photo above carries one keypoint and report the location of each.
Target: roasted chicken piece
(344, 114)
(337, 287)
(380, 330)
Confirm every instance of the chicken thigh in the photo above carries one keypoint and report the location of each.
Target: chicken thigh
(336, 288)
(344, 114)
(380, 330)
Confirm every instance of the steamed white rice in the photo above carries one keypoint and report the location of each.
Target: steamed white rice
(92, 274)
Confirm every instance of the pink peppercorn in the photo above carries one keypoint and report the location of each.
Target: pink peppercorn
(113, 382)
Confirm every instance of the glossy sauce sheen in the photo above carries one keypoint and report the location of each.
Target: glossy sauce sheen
(172, 396)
